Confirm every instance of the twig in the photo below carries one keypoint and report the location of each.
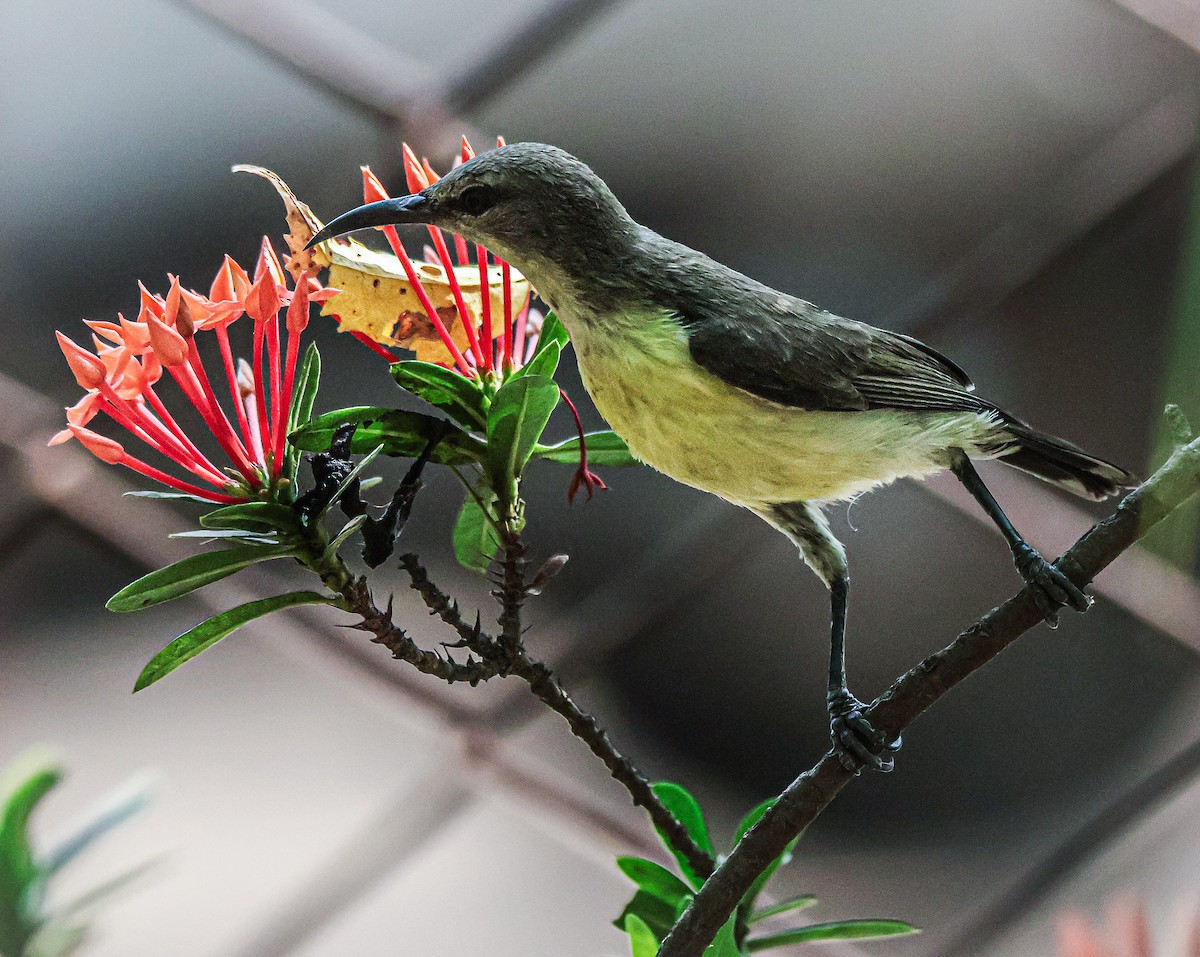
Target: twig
(379, 623)
(585, 727)
(545, 686)
(807, 796)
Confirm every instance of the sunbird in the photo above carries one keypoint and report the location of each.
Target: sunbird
(741, 390)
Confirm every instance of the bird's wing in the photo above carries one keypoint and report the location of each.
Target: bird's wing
(793, 353)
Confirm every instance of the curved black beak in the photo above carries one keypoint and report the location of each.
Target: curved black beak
(386, 212)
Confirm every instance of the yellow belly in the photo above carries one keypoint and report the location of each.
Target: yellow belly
(694, 427)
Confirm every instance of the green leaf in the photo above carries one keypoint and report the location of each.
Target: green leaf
(401, 433)
(642, 941)
(475, 540)
(304, 395)
(553, 333)
(113, 811)
(192, 573)
(54, 939)
(208, 633)
(687, 811)
(348, 529)
(725, 943)
(251, 517)
(213, 535)
(544, 363)
(520, 410)
(155, 493)
(84, 905)
(27, 783)
(654, 879)
(458, 397)
(603, 448)
(783, 907)
(654, 912)
(834, 930)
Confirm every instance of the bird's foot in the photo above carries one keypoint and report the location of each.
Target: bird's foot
(1051, 588)
(856, 741)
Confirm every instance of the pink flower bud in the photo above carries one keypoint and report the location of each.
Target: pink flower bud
(413, 173)
(262, 302)
(168, 345)
(269, 264)
(89, 371)
(105, 449)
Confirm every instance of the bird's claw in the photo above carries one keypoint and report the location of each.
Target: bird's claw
(856, 741)
(1052, 589)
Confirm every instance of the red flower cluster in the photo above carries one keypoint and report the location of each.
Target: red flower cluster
(122, 375)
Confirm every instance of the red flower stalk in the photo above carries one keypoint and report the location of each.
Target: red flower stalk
(120, 379)
(489, 348)
(1126, 932)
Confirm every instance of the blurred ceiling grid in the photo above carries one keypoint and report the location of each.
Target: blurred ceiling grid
(487, 757)
(1180, 18)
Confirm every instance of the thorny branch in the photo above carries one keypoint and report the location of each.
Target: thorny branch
(813, 791)
(506, 659)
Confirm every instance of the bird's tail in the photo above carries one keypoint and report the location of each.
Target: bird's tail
(1063, 464)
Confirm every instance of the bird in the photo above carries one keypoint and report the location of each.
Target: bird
(740, 390)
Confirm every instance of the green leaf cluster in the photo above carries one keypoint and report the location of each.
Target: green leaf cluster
(28, 927)
(662, 896)
(493, 426)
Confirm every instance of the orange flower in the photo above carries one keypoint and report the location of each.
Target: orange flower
(131, 357)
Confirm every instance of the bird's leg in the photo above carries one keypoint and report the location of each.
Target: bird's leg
(856, 741)
(1051, 588)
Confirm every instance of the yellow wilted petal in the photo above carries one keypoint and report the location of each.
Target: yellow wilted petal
(377, 299)
(302, 225)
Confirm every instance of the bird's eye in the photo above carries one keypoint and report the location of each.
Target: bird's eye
(477, 199)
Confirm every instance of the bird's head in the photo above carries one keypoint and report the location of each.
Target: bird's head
(534, 205)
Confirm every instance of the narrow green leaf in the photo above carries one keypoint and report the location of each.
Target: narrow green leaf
(444, 389)
(304, 396)
(227, 534)
(654, 879)
(113, 810)
(783, 907)
(519, 413)
(553, 333)
(475, 540)
(603, 448)
(27, 782)
(687, 811)
(348, 529)
(191, 573)
(543, 363)
(654, 912)
(304, 392)
(401, 433)
(84, 905)
(642, 941)
(251, 517)
(834, 930)
(725, 943)
(155, 493)
(54, 939)
(208, 633)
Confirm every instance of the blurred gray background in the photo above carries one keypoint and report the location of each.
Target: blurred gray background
(1010, 181)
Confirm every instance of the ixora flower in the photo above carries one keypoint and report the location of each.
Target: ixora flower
(1126, 933)
(122, 378)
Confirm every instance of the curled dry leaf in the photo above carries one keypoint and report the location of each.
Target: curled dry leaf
(302, 224)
